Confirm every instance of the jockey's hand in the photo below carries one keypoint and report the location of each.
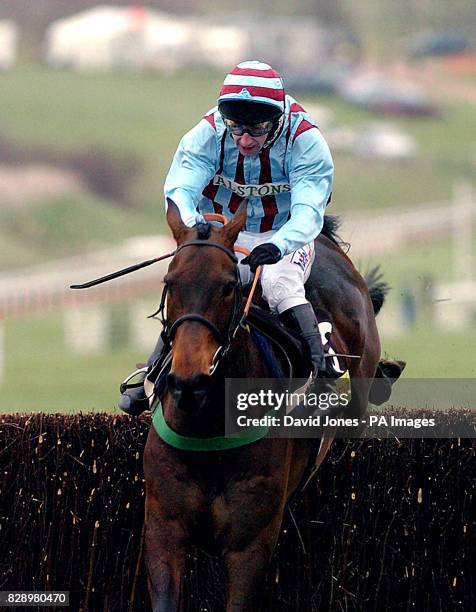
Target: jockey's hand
(266, 253)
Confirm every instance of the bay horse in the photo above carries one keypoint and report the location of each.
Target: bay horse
(231, 502)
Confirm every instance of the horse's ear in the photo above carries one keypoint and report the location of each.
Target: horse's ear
(174, 219)
(237, 223)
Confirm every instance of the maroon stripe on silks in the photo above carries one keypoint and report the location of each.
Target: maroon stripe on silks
(269, 202)
(235, 199)
(222, 152)
(296, 108)
(211, 120)
(257, 73)
(288, 134)
(211, 189)
(263, 92)
(303, 127)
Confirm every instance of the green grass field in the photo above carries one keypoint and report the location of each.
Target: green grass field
(50, 230)
(430, 353)
(432, 259)
(144, 116)
(42, 375)
(137, 114)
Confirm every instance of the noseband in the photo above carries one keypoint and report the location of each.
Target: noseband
(224, 339)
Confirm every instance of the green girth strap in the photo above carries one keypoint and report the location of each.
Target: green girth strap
(217, 443)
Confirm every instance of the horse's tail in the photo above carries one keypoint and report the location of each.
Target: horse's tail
(378, 288)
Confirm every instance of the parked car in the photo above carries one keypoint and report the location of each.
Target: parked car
(326, 80)
(374, 91)
(384, 140)
(440, 44)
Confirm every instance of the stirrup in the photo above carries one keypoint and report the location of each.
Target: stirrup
(125, 385)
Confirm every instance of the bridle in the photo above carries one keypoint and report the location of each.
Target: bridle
(238, 314)
(224, 339)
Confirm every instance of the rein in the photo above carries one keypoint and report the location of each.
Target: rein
(123, 272)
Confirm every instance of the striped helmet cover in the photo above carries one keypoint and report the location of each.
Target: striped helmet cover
(253, 81)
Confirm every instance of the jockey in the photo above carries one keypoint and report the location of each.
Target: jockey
(259, 144)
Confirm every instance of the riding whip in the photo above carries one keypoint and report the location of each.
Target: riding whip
(108, 277)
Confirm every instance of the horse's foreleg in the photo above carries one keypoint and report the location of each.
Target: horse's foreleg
(357, 407)
(246, 571)
(165, 552)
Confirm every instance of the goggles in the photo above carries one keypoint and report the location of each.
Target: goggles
(257, 129)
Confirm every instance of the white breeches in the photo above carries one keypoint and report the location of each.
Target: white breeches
(283, 282)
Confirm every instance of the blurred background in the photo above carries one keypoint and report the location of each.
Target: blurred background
(93, 101)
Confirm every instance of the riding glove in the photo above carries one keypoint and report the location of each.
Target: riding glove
(266, 253)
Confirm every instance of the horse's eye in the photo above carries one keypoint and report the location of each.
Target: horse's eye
(229, 288)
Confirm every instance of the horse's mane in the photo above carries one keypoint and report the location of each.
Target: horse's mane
(330, 228)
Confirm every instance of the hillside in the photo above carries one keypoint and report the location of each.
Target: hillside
(118, 132)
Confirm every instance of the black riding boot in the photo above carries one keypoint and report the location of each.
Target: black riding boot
(303, 320)
(134, 401)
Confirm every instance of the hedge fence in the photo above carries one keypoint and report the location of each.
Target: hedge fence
(385, 526)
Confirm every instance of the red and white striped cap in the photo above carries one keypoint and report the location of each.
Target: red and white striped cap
(254, 82)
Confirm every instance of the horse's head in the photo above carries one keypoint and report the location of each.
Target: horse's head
(203, 302)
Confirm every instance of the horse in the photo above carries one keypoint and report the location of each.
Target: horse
(230, 502)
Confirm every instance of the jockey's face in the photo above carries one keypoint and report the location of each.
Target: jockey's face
(249, 145)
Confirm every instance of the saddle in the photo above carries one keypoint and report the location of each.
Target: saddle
(294, 351)
(289, 343)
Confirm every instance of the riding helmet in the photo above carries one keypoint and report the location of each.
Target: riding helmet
(252, 92)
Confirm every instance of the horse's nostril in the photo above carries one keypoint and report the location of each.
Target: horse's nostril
(189, 391)
(176, 387)
(199, 383)
(172, 382)
(200, 387)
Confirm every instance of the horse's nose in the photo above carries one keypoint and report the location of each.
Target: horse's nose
(189, 392)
